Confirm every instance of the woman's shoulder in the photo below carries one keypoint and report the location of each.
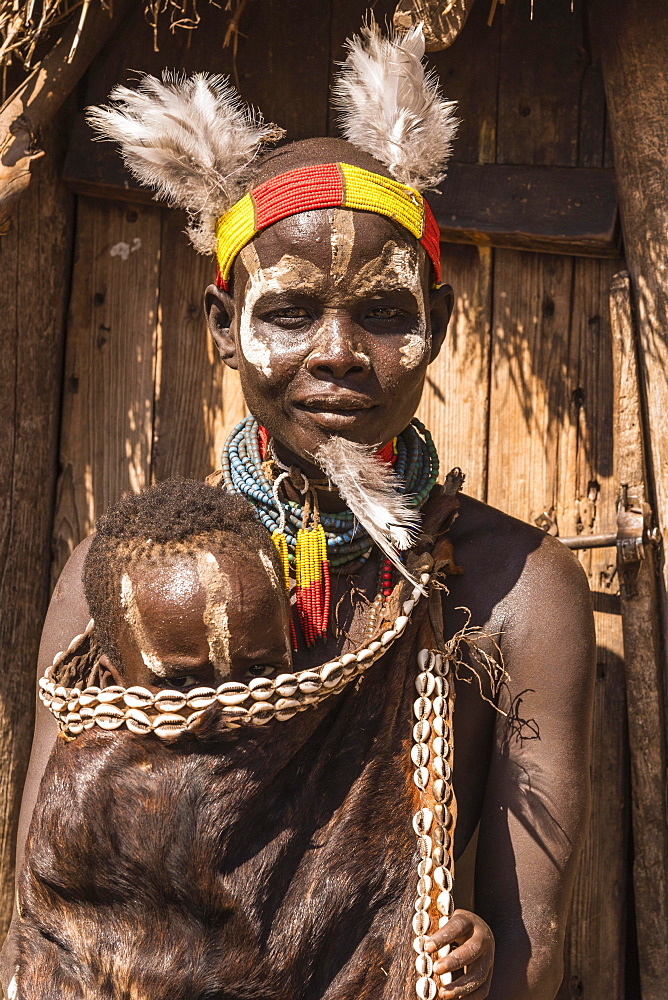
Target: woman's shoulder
(68, 612)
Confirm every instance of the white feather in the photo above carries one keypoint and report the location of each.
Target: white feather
(371, 490)
(190, 139)
(391, 106)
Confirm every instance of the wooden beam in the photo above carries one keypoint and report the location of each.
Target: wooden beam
(34, 103)
(644, 681)
(567, 210)
(632, 39)
(35, 260)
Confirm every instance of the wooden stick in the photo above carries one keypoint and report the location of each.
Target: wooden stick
(643, 662)
(34, 103)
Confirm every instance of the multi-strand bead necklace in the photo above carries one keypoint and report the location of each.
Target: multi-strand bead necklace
(312, 542)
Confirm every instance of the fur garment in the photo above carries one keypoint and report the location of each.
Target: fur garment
(275, 863)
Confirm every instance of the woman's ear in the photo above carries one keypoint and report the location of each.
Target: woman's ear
(441, 302)
(108, 673)
(219, 308)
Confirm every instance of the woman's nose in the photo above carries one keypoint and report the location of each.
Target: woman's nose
(337, 352)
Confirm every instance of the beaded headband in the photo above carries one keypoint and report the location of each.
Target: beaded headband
(327, 185)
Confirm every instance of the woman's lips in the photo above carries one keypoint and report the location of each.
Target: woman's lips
(335, 412)
(339, 403)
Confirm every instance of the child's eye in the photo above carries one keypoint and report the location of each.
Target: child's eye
(180, 682)
(261, 669)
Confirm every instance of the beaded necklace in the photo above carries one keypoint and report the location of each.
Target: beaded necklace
(309, 541)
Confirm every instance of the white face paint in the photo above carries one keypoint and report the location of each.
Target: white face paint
(269, 567)
(399, 267)
(290, 272)
(342, 235)
(133, 617)
(215, 612)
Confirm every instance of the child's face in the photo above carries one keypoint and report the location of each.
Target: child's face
(202, 618)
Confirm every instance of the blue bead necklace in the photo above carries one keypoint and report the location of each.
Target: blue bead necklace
(416, 467)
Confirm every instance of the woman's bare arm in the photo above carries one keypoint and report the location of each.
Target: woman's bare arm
(537, 800)
(67, 616)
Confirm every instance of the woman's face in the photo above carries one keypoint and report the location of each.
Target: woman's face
(332, 328)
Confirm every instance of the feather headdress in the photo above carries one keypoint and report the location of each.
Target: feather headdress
(371, 491)
(190, 139)
(391, 106)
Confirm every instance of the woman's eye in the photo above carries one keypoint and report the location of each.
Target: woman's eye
(384, 313)
(290, 316)
(261, 669)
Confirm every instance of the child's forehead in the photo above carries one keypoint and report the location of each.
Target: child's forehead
(187, 572)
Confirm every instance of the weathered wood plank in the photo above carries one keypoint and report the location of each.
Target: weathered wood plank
(35, 258)
(456, 397)
(455, 400)
(107, 419)
(595, 966)
(273, 71)
(645, 684)
(39, 96)
(188, 426)
(469, 75)
(539, 94)
(529, 396)
(633, 44)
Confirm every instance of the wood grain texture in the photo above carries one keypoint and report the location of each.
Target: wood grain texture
(456, 397)
(645, 683)
(468, 72)
(39, 96)
(188, 415)
(595, 965)
(633, 43)
(107, 419)
(273, 70)
(35, 258)
(455, 402)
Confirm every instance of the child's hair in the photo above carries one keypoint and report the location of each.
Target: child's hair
(165, 519)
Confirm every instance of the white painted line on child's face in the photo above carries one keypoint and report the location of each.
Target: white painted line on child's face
(269, 567)
(215, 612)
(133, 617)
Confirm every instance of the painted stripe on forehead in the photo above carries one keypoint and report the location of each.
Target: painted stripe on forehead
(250, 259)
(134, 619)
(323, 186)
(342, 237)
(214, 585)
